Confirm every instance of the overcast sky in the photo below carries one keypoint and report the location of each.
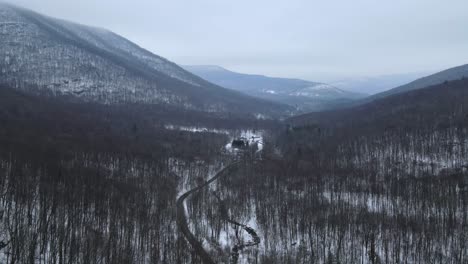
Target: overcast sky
(311, 39)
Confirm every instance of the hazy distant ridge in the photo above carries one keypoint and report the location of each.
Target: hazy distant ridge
(305, 95)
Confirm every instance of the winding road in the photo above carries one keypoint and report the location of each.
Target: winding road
(182, 218)
(238, 247)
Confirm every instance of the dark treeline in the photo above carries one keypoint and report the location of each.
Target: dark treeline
(33, 98)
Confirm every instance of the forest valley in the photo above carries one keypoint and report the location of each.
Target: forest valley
(386, 182)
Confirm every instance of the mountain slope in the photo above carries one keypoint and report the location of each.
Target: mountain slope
(430, 107)
(96, 64)
(305, 95)
(376, 84)
(451, 74)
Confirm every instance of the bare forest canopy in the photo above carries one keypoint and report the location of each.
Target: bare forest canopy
(383, 183)
(111, 154)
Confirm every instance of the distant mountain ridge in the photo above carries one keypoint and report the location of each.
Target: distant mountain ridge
(96, 64)
(305, 95)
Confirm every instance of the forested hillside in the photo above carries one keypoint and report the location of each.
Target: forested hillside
(97, 65)
(382, 183)
(447, 75)
(111, 154)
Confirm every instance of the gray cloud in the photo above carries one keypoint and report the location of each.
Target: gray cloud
(317, 40)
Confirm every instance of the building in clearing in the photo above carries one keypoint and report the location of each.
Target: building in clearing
(240, 143)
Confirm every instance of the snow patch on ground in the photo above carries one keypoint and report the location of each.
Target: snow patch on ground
(197, 129)
(254, 137)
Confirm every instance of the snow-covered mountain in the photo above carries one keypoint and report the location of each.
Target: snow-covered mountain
(305, 95)
(96, 64)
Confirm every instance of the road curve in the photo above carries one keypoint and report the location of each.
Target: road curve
(238, 247)
(182, 218)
